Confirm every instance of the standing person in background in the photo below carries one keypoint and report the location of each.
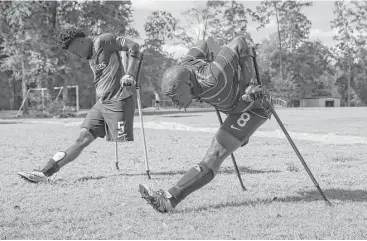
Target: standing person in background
(157, 100)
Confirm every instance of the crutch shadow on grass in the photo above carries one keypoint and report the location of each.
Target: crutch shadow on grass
(245, 170)
(341, 195)
(223, 171)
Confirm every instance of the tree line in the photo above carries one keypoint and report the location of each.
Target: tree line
(292, 66)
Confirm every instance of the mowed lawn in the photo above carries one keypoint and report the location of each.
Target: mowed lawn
(90, 199)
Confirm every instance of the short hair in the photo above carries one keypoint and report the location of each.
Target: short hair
(171, 79)
(68, 35)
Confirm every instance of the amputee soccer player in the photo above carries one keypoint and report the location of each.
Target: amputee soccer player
(226, 83)
(113, 114)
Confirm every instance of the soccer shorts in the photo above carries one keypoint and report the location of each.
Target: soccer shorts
(243, 125)
(112, 119)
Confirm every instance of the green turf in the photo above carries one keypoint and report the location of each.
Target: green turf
(89, 199)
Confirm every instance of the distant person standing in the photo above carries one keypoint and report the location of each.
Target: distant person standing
(157, 100)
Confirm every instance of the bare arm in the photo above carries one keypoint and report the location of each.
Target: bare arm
(132, 49)
(113, 43)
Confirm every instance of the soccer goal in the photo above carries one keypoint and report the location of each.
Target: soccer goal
(40, 98)
(74, 98)
(39, 93)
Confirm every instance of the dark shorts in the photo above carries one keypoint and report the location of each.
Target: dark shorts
(113, 119)
(243, 125)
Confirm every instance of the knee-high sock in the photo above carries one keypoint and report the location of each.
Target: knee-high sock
(194, 179)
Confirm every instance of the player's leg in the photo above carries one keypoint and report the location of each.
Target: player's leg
(119, 117)
(92, 127)
(235, 131)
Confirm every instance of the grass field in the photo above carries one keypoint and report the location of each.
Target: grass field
(90, 199)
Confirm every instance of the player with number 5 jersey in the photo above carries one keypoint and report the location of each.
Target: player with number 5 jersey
(226, 83)
(113, 114)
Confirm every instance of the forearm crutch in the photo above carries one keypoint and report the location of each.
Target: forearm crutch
(286, 133)
(124, 61)
(141, 117)
(232, 156)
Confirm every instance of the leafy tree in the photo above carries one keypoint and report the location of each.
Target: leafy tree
(16, 26)
(229, 20)
(159, 28)
(292, 25)
(29, 48)
(196, 26)
(350, 48)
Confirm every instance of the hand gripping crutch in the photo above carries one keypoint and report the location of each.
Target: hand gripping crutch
(285, 131)
(232, 156)
(141, 117)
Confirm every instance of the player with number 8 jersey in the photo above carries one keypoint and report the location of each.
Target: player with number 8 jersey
(226, 83)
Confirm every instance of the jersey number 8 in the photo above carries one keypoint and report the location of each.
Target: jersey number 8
(241, 122)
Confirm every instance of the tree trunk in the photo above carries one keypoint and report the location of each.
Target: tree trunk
(54, 14)
(24, 82)
(280, 42)
(349, 78)
(65, 91)
(12, 95)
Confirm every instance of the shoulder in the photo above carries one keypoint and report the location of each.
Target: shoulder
(104, 39)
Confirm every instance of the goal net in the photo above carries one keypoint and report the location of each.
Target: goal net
(40, 102)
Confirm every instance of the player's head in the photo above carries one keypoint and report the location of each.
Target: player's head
(75, 41)
(176, 84)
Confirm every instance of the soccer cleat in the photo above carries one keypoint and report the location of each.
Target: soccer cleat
(34, 176)
(157, 199)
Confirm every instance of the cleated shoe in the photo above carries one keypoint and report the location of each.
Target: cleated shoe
(34, 176)
(157, 199)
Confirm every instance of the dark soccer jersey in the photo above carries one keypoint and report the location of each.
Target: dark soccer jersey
(218, 79)
(107, 68)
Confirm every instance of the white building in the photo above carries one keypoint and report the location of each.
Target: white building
(320, 102)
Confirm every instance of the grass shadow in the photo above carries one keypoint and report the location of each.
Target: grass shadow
(308, 196)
